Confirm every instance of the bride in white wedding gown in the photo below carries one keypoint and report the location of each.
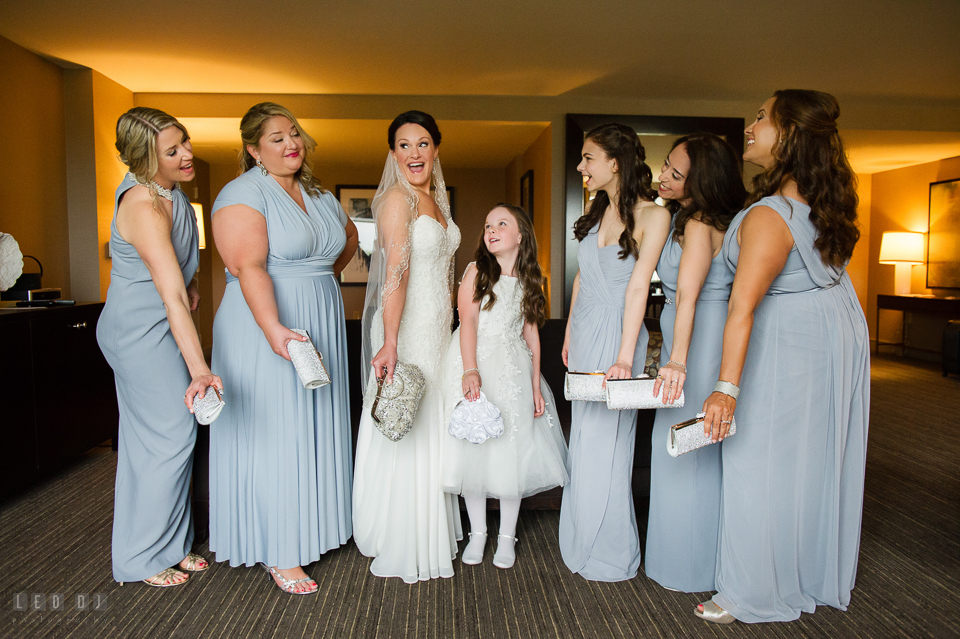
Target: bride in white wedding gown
(401, 515)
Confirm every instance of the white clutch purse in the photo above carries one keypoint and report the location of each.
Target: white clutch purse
(584, 387)
(688, 435)
(207, 408)
(476, 421)
(636, 392)
(308, 361)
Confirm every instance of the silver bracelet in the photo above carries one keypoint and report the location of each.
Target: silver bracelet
(682, 367)
(469, 370)
(727, 389)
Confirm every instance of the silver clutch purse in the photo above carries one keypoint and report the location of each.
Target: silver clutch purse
(688, 435)
(395, 405)
(636, 392)
(308, 361)
(207, 408)
(584, 387)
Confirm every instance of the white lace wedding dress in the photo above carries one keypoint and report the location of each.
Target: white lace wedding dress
(401, 515)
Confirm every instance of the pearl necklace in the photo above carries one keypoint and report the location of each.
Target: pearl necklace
(166, 194)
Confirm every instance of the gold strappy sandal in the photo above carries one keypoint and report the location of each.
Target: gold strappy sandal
(192, 560)
(164, 578)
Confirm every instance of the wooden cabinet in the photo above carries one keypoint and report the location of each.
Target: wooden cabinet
(56, 391)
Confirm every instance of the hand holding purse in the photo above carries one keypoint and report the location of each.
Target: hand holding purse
(476, 421)
(687, 436)
(636, 393)
(395, 405)
(308, 361)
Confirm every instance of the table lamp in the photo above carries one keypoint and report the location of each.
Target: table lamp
(903, 250)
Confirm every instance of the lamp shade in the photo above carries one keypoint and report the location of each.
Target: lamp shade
(901, 247)
(198, 211)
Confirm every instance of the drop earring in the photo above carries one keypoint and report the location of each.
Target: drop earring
(263, 169)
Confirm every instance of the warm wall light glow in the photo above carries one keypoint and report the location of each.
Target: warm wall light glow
(903, 250)
(198, 211)
(901, 247)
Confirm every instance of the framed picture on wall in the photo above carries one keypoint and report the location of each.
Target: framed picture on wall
(356, 200)
(526, 192)
(943, 248)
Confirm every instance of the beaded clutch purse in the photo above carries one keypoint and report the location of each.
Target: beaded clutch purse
(636, 392)
(395, 405)
(207, 408)
(308, 361)
(688, 435)
(584, 387)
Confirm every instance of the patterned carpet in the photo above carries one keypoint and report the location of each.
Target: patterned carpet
(56, 539)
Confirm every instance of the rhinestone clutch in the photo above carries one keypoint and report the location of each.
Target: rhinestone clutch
(308, 361)
(395, 405)
(584, 387)
(688, 435)
(207, 408)
(636, 392)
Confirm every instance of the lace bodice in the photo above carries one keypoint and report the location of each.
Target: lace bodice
(505, 320)
(428, 307)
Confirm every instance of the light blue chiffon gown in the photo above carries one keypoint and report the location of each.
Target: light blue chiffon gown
(684, 518)
(793, 473)
(280, 455)
(598, 524)
(152, 524)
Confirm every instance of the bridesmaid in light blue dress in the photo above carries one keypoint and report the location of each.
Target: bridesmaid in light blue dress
(621, 237)
(702, 185)
(796, 342)
(148, 337)
(280, 455)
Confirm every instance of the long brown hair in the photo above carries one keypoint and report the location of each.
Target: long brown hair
(810, 152)
(528, 270)
(251, 130)
(620, 143)
(714, 183)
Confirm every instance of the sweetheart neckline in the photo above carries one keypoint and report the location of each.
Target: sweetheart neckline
(436, 221)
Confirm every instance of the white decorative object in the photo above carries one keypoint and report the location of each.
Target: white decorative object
(476, 421)
(11, 261)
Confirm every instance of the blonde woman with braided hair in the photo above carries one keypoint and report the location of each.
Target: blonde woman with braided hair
(148, 337)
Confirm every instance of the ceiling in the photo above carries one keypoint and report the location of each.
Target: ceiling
(872, 52)
(683, 49)
(486, 144)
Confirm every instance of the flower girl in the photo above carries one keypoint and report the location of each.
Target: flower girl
(497, 348)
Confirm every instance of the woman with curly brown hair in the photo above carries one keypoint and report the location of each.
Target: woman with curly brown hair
(620, 237)
(796, 341)
(702, 186)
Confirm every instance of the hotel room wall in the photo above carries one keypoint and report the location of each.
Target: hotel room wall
(33, 184)
(537, 158)
(900, 202)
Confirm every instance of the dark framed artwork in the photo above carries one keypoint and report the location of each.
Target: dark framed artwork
(575, 200)
(526, 193)
(943, 239)
(356, 200)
